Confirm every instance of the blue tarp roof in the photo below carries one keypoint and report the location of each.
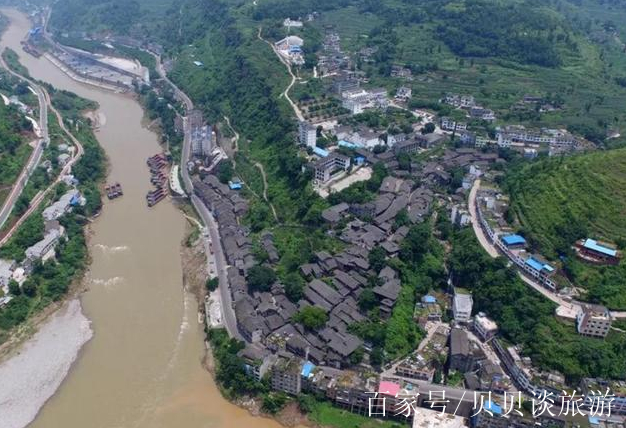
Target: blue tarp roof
(429, 299)
(493, 407)
(513, 240)
(320, 152)
(593, 245)
(536, 264)
(235, 185)
(594, 420)
(307, 368)
(348, 144)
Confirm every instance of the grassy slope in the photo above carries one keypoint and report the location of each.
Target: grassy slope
(587, 192)
(588, 189)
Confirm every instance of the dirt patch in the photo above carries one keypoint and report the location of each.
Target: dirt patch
(291, 416)
(194, 262)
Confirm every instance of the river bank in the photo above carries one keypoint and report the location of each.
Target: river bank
(32, 376)
(143, 366)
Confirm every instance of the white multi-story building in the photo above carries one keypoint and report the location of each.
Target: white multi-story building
(593, 320)
(462, 307)
(451, 125)
(42, 249)
(63, 205)
(358, 100)
(308, 134)
(462, 101)
(202, 140)
(518, 134)
(6, 273)
(485, 327)
(326, 168)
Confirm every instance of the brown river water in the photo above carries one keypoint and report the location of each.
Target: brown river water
(143, 366)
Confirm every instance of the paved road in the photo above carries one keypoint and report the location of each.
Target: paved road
(228, 313)
(181, 96)
(39, 197)
(285, 93)
(35, 157)
(566, 309)
(478, 230)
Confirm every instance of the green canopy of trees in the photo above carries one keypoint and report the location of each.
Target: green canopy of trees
(311, 317)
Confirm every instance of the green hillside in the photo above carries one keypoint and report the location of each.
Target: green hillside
(118, 16)
(557, 201)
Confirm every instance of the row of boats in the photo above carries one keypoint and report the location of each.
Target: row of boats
(114, 190)
(158, 177)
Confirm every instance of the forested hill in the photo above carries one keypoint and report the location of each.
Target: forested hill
(526, 31)
(136, 17)
(560, 200)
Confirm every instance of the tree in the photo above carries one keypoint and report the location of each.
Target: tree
(377, 258)
(311, 317)
(404, 161)
(367, 300)
(212, 283)
(29, 287)
(377, 357)
(357, 356)
(294, 284)
(260, 278)
(402, 219)
(416, 243)
(273, 402)
(429, 128)
(225, 171)
(14, 288)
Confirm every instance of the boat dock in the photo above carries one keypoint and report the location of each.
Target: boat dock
(114, 190)
(158, 177)
(155, 196)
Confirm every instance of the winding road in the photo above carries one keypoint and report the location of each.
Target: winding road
(566, 308)
(221, 265)
(35, 157)
(40, 196)
(285, 93)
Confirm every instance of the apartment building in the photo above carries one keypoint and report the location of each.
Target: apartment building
(462, 307)
(324, 169)
(484, 327)
(308, 134)
(286, 375)
(594, 321)
(451, 125)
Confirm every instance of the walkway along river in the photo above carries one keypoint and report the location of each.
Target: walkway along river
(143, 366)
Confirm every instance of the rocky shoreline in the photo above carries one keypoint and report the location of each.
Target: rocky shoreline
(33, 375)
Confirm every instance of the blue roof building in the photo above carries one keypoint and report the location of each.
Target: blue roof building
(429, 299)
(493, 408)
(348, 144)
(513, 240)
(538, 265)
(235, 184)
(307, 369)
(593, 245)
(320, 152)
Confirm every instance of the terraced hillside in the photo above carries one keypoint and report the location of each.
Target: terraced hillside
(560, 200)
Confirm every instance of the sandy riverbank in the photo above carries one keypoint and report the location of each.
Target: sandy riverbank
(32, 376)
